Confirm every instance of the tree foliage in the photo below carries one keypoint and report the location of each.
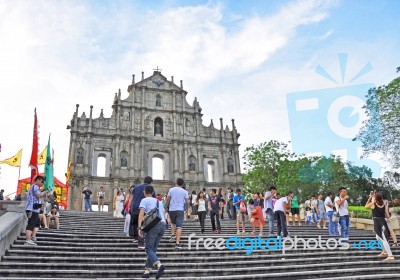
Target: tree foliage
(381, 131)
(272, 163)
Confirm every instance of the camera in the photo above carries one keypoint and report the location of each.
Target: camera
(37, 205)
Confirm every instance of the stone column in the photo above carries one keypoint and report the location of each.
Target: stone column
(224, 168)
(132, 159)
(117, 162)
(144, 169)
(87, 154)
(176, 161)
(200, 162)
(185, 161)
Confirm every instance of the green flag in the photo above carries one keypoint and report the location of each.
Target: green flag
(48, 170)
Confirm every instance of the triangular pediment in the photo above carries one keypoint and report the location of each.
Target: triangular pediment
(158, 81)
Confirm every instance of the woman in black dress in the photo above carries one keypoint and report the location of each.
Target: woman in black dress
(380, 211)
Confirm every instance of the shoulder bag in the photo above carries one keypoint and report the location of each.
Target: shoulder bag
(151, 219)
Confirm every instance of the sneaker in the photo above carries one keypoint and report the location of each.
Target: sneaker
(395, 245)
(141, 246)
(238, 233)
(318, 226)
(218, 231)
(34, 239)
(178, 246)
(146, 275)
(160, 271)
(243, 232)
(172, 239)
(324, 228)
(135, 241)
(30, 243)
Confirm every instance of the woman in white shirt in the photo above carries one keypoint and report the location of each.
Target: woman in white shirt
(119, 204)
(201, 203)
(100, 199)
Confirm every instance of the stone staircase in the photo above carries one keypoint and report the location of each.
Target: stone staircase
(93, 246)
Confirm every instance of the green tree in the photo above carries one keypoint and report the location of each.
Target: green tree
(261, 164)
(381, 132)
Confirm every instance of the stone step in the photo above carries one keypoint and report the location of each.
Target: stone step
(93, 246)
(283, 272)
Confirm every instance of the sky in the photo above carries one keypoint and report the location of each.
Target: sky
(240, 58)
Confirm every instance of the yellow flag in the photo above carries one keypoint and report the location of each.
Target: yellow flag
(13, 161)
(42, 156)
(68, 173)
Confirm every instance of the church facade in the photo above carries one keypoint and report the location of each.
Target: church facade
(153, 130)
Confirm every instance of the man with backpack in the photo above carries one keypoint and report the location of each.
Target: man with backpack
(240, 204)
(137, 196)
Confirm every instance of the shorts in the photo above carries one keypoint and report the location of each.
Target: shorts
(241, 217)
(295, 211)
(33, 221)
(323, 216)
(388, 224)
(176, 218)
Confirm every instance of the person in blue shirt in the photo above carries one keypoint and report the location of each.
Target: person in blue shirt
(154, 236)
(32, 209)
(137, 196)
(241, 213)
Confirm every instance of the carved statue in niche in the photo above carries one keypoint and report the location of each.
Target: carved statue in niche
(79, 156)
(125, 118)
(158, 100)
(231, 168)
(192, 165)
(124, 161)
(158, 128)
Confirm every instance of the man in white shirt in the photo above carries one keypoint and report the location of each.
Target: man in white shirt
(282, 205)
(341, 206)
(177, 198)
(332, 226)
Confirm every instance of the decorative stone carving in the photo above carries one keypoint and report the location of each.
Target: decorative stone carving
(190, 127)
(138, 96)
(148, 125)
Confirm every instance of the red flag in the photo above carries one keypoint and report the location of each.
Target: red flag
(33, 164)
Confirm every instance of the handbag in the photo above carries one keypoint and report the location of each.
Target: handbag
(194, 210)
(243, 208)
(151, 219)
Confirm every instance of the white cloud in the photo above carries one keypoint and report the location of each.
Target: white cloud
(56, 54)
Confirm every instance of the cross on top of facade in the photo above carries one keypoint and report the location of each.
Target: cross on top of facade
(157, 69)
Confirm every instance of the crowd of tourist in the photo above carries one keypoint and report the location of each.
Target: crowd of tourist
(261, 210)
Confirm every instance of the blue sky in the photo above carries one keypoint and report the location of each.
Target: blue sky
(240, 58)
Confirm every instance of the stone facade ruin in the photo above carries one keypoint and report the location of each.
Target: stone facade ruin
(153, 125)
